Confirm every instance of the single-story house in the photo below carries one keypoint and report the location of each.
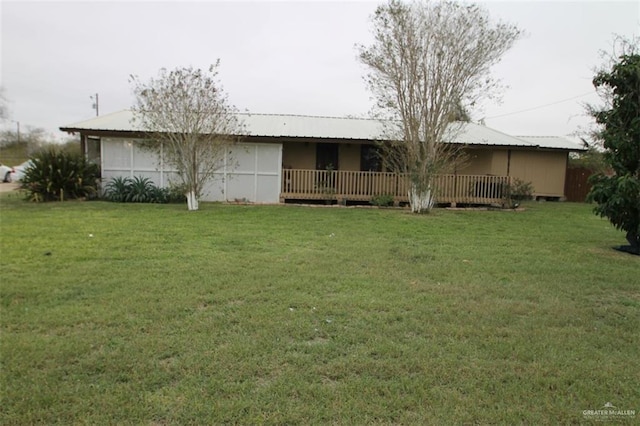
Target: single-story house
(293, 158)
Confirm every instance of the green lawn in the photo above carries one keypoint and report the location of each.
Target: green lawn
(298, 315)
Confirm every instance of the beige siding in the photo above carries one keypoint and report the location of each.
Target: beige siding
(478, 162)
(299, 155)
(499, 162)
(486, 161)
(349, 157)
(544, 169)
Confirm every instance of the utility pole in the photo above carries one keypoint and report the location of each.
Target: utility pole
(95, 104)
(18, 128)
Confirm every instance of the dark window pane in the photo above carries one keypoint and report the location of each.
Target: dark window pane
(327, 156)
(370, 159)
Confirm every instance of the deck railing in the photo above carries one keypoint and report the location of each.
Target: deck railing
(344, 185)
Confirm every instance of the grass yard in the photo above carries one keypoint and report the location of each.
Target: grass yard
(298, 315)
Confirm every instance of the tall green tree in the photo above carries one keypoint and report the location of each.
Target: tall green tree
(618, 195)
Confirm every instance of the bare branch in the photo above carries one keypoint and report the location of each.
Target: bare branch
(189, 121)
(429, 62)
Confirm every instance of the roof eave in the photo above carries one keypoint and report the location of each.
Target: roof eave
(104, 132)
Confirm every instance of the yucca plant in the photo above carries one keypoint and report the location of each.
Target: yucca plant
(56, 175)
(118, 189)
(141, 190)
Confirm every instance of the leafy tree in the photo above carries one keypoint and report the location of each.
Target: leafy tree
(618, 195)
(189, 119)
(591, 159)
(428, 63)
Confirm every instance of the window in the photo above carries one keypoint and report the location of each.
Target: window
(327, 156)
(370, 159)
(92, 150)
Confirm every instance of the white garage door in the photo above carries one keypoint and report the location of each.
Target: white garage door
(252, 172)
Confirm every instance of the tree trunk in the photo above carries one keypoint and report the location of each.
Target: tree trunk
(634, 242)
(421, 201)
(192, 201)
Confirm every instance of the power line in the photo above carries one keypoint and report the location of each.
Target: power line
(541, 106)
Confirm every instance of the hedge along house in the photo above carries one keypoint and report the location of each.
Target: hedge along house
(300, 158)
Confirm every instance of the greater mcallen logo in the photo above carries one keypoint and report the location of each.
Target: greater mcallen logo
(609, 412)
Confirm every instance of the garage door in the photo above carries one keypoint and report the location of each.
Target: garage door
(251, 172)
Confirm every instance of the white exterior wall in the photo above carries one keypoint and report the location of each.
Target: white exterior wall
(252, 172)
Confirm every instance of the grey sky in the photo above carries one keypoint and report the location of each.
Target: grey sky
(282, 57)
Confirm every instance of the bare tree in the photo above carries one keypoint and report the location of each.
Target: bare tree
(428, 62)
(28, 140)
(190, 123)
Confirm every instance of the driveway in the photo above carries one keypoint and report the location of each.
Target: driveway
(6, 187)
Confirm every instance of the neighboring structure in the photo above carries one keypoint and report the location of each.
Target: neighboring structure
(291, 157)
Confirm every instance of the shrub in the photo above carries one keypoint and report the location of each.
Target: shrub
(56, 175)
(117, 189)
(140, 190)
(382, 200)
(175, 193)
(517, 191)
(166, 195)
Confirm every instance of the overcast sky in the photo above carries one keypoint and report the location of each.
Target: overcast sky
(295, 57)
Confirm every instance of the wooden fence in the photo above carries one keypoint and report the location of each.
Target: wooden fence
(576, 185)
(344, 185)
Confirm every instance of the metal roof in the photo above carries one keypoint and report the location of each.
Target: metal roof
(302, 126)
(556, 142)
(271, 125)
(477, 134)
(116, 121)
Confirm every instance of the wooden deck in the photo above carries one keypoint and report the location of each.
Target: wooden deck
(344, 186)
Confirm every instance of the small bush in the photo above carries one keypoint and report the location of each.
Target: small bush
(175, 193)
(140, 190)
(171, 195)
(57, 175)
(517, 191)
(382, 200)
